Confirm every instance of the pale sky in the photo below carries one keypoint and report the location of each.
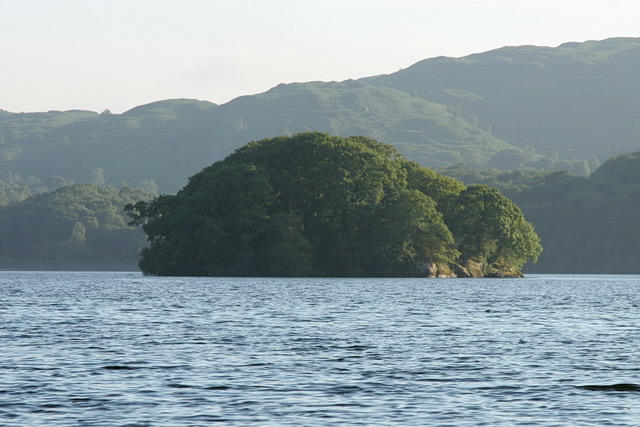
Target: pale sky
(117, 54)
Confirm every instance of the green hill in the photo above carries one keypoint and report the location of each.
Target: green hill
(564, 108)
(161, 142)
(578, 99)
(169, 140)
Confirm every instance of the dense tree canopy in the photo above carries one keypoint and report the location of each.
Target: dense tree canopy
(489, 226)
(316, 204)
(73, 223)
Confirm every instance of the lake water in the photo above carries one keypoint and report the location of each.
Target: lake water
(121, 349)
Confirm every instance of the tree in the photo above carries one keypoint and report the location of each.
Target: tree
(78, 234)
(491, 228)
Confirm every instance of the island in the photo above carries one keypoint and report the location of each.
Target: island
(314, 204)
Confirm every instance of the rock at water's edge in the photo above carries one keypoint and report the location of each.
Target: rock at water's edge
(506, 274)
(471, 269)
(439, 270)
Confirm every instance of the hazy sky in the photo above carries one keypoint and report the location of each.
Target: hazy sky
(116, 54)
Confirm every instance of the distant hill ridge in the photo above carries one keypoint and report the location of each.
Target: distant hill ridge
(582, 97)
(568, 107)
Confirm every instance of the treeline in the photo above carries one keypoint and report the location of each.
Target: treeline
(14, 188)
(313, 204)
(527, 158)
(587, 225)
(74, 223)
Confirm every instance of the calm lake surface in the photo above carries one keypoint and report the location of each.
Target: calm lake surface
(121, 349)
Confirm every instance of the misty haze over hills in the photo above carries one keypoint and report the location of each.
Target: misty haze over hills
(569, 107)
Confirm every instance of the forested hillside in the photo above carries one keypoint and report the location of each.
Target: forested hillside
(587, 225)
(78, 223)
(564, 108)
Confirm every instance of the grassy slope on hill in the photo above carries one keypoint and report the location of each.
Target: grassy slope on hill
(579, 98)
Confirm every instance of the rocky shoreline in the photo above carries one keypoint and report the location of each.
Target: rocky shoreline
(471, 269)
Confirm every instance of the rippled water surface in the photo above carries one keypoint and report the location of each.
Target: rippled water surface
(120, 349)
